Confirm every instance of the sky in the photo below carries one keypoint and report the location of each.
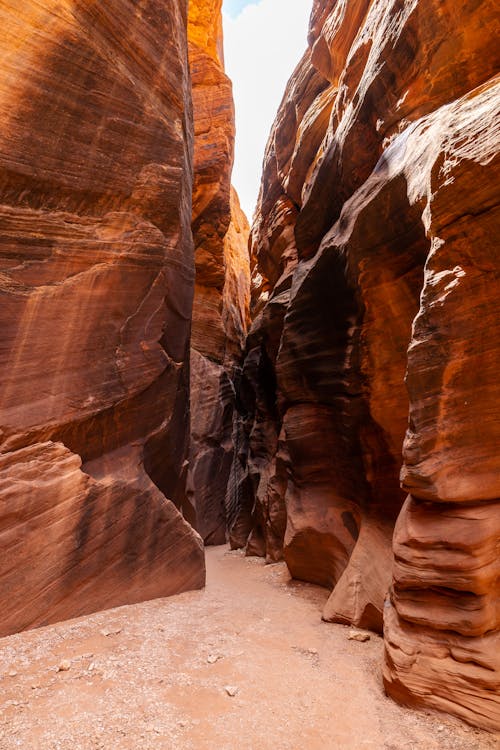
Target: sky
(263, 42)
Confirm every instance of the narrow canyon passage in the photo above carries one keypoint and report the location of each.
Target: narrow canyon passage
(318, 389)
(154, 676)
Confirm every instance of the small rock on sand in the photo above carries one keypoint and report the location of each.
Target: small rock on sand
(212, 658)
(356, 635)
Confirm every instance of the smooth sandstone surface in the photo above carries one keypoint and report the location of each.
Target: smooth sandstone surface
(222, 289)
(373, 354)
(72, 540)
(96, 287)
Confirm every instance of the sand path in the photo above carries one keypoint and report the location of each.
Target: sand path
(157, 676)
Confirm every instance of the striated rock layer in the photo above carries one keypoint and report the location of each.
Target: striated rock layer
(374, 260)
(96, 287)
(222, 288)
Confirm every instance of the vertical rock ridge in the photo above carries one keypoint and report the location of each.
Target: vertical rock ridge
(373, 263)
(222, 288)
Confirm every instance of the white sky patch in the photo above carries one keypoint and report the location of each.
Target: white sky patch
(262, 46)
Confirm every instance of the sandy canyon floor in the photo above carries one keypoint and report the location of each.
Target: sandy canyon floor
(246, 664)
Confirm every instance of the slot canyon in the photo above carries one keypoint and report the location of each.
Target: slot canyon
(304, 407)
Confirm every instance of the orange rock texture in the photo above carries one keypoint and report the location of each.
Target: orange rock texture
(375, 262)
(222, 289)
(96, 288)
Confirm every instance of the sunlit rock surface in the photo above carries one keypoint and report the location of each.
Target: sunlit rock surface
(374, 259)
(222, 288)
(96, 287)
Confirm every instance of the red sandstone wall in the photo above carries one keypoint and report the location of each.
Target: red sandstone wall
(222, 288)
(96, 288)
(374, 260)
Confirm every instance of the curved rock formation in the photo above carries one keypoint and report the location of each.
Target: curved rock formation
(373, 258)
(222, 287)
(96, 289)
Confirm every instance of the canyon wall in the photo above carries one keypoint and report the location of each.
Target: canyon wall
(96, 286)
(375, 329)
(222, 289)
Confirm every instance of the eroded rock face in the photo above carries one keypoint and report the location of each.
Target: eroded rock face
(374, 259)
(222, 289)
(96, 289)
